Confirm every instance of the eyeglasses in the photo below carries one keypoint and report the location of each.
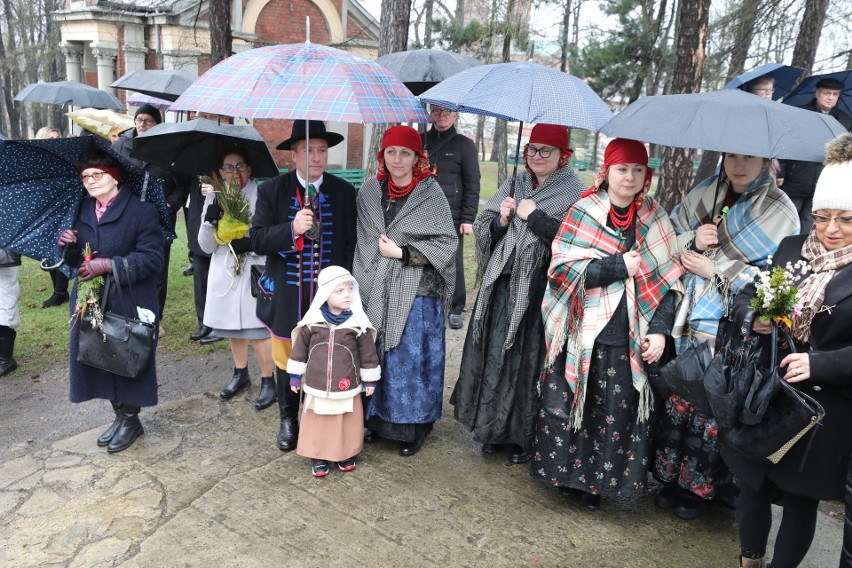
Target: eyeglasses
(842, 222)
(92, 176)
(544, 151)
(229, 168)
(145, 121)
(441, 112)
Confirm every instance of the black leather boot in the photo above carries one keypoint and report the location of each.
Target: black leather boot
(267, 393)
(107, 436)
(239, 381)
(130, 429)
(288, 407)
(60, 290)
(7, 362)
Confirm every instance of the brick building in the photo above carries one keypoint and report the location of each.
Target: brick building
(103, 40)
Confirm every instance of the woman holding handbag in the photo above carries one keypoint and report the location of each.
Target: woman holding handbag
(117, 232)
(815, 468)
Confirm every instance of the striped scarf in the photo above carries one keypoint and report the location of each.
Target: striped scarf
(558, 192)
(748, 234)
(574, 315)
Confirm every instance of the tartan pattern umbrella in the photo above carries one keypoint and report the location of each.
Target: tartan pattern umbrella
(138, 99)
(302, 81)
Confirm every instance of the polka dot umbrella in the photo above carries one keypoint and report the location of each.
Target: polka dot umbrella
(40, 192)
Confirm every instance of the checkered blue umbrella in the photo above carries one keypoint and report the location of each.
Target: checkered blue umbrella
(524, 91)
(302, 81)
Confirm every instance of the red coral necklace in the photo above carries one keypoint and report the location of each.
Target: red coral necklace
(621, 221)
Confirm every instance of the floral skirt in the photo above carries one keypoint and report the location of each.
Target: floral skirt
(687, 453)
(610, 453)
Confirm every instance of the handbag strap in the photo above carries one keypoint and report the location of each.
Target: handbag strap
(118, 283)
(774, 357)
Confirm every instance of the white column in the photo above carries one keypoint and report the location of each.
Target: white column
(105, 55)
(338, 154)
(134, 48)
(73, 53)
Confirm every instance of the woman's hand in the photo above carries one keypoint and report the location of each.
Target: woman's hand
(632, 260)
(507, 207)
(369, 390)
(206, 189)
(525, 207)
(706, 236)
(67, 237)
(798, 367)
(697, 264)
(656, 345)
(762, 327)
(388, 248)
(93, 268)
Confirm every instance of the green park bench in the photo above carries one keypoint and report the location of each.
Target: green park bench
(580, 165)
(355, 177)
(654, 164)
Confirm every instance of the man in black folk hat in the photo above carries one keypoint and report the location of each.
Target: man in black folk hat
(304, 221)
(799, 178)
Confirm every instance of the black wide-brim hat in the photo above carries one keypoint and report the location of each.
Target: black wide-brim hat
(316, 129)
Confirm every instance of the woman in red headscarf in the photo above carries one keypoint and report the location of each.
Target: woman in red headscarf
(495, 396)
(405, 267)
(613, 288)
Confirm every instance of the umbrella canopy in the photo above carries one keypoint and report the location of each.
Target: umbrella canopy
(302, 81)
(100, 121)
(195, 146)
(138, 99)
(421, 69)
(40, 191)
(538, 94)
(805, 92)
(727, 121)
(785, 76)
(68, 93)
(166, 84)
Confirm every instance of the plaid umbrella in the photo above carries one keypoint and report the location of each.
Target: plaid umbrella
(138, 99)
(302, 81)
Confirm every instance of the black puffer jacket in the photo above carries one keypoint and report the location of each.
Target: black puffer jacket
(458, 171)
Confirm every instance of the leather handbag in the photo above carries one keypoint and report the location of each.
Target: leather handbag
(684, 375)
(121, 345)
(256, 272)
(775, 414)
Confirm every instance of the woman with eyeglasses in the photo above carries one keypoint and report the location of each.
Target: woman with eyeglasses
(815, 468)
(230, 308)
(495, 396)
(727, 226)
(126, 240)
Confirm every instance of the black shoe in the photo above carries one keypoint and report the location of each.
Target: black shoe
(570, 493)
(130, 429)
(288, 410)
(212, 338)
(666, 496)
(56, 300)
(107, 436)
(410, 448)
(189, 270)
(519, 455)
(319, 468)
(7, 349)
(456, 321)
(370, 436)
(491, 448)
(267, 394)
(346, 465)
(200, 333)
(689, 507)
(590, 502)
(239, 381)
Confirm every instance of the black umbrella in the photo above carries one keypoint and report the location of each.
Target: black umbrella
(195, 146)
(68, 93)
(166, 84)
(421, 69)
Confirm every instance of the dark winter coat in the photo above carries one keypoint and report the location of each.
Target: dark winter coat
(800, 178)
(458, 171)
(289, 281)
(129, 229)
(194, 212)
(825, 458)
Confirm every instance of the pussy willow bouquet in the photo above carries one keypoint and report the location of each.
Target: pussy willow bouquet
(777, 293)
(88, 298)
(234, 223)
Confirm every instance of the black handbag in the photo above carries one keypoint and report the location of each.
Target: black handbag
(121, 345)
(684, 375)
(256, 272)
(774, 416)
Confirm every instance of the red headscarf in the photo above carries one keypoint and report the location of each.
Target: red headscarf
(623, 151)
(550, 135)
(406, 137)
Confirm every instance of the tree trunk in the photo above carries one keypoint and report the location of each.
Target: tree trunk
(563, 39)
(10, 79)
(428, 6)
(220, 30)
(500, 130)
(743, 35)
(676, 174)
(809, 33)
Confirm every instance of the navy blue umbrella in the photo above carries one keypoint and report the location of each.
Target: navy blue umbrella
(804, 93)
(41, 190)
(785, 77)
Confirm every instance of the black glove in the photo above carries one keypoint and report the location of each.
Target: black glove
(214, 213)
(241, 245)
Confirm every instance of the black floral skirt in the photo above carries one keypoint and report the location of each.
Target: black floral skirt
(610, 453)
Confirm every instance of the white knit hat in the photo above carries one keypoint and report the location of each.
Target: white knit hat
(834, 187)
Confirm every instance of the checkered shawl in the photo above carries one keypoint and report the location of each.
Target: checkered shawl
(574, 315)
(387, 287)
(558, 192)
(748, 235)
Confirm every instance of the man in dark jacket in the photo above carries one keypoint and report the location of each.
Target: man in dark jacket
(176, 185)
(304, 221)
(200, 263)
(453, 157)
(798, 179)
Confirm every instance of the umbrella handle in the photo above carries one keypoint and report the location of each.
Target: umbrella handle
(47, 267)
